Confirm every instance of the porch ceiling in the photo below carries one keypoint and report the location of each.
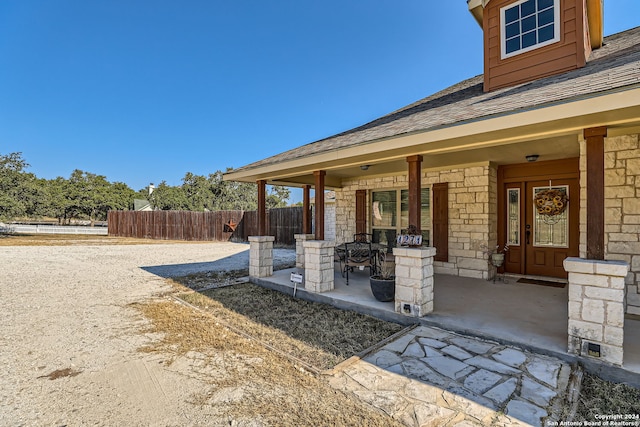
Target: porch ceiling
(561, 147)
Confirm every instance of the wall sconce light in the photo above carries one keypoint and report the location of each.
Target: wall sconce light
(364, 167)
(532, 157)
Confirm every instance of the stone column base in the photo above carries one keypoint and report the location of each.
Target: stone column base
(261, 256)
(318, 261)
(596, 308)
(414, 280)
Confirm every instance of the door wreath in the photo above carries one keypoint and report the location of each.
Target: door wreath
(551, 202)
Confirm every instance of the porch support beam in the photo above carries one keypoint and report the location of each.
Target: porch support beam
(319, 194)
(415, 166)
(306, 209)
(262, 207)
(595, 191)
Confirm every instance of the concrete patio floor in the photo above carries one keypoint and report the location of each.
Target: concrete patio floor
(533, 317)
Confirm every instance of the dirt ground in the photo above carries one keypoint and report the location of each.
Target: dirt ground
(83, 343)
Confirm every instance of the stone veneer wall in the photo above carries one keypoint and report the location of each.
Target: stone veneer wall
(622, 208)
(472, 213)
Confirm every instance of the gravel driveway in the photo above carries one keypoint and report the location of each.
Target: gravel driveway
(69, 341)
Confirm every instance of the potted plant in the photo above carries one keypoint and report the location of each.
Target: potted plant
(383, 284)
(495, 256)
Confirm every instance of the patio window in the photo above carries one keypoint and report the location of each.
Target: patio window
(390, 215)
(528, 25)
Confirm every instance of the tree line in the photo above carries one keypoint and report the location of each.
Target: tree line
(88, 196)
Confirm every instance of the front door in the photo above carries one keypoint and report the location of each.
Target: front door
(540, 219)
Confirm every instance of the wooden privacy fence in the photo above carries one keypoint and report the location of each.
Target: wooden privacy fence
(237, 226)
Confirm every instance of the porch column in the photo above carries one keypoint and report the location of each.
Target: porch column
(414, 280)
(319, 193)
(318, 260)
(596, 308)
(306, 210)
(261, 256)
(300, 239)
(262, 207)
(595, 191)
(415, 163)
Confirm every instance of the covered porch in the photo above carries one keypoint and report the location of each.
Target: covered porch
(534, 317)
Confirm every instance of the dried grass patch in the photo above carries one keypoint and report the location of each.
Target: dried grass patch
(318, 334)
(248, 383)
(599, 397)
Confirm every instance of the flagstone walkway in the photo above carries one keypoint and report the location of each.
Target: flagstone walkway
(431, 377)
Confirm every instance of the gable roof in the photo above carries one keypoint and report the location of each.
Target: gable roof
(613, 68)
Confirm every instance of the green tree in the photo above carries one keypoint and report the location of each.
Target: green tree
(16, 189)
(197, 192)
(166, 197)
(88, 195)
(58, 204)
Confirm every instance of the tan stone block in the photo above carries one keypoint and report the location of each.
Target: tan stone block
(476, 208)
(633, 166)
(612, 354)
(620, 143)
(613, 203)
(631, 206)
(619, 191)
(576, 292)
(615, 295)
(612, 216)
(630, 228)
(631, 219)
(476, 171)
(630, 248)
(404, 293)
(575, 309)
(589, 280)
(609, 160)
(633, 297)
(623, 237)
(615, 314)
(612, 268)
(451, 177)
(593, 310)
(402, 271)
(613, 335)
(615, 177)
(628, 154)
(586, 330)
(578, 265)
(612, 228)
(474, 274)
(465, 198)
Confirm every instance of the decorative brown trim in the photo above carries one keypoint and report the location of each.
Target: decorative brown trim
(262, 207)
(319, 194)
(361, 211)
(415, 197)
(306, 210)
(595, 191)
(441, 221)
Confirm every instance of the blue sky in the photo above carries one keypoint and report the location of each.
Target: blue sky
(146, 90)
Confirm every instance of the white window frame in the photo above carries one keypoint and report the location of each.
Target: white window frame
(503, 30)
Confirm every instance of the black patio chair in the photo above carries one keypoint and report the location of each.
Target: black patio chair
(363, 237)
(358, 255)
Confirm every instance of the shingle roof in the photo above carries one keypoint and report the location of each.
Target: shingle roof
(614, 66)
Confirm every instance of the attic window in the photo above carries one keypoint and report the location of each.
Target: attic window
(527, 25)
